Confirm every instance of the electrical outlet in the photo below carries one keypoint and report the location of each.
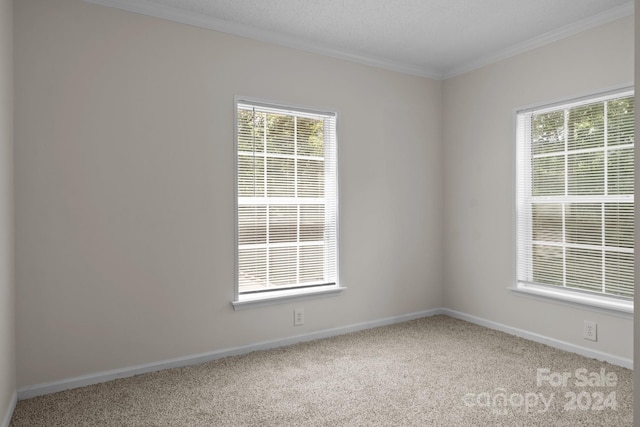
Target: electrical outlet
(590, 330)
(298, 316)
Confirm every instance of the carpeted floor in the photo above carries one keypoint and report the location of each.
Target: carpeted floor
(433, 371)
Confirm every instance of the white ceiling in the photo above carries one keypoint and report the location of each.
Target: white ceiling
(434, 38)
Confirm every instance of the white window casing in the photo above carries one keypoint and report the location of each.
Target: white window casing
(575, 201)
(286, 203)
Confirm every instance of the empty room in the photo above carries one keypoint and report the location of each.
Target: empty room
(322, 212)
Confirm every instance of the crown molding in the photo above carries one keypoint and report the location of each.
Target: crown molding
(149, 8)
(169, 13)
(544, 39)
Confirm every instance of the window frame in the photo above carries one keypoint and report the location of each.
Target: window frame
(263, 298)
(563, 295)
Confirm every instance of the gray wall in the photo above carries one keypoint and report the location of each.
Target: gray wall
(124, 188)
(479, 179)
(7, 342)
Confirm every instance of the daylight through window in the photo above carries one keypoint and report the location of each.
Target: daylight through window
(286, 198)
(575, 196)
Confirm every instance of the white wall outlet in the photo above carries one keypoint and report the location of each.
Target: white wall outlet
(298, 316)
(590, 330)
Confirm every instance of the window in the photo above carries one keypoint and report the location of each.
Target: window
(286, 186)
(575, 200)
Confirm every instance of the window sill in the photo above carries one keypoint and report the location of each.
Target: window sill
(575, 297)
(280, 297)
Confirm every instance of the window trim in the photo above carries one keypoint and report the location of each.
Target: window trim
(563, 295)
(284, 296)
(575, 296)
(260, 299)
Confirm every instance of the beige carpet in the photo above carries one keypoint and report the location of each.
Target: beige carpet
(434, 371)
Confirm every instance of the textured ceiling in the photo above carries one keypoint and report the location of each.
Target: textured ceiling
(435, 38)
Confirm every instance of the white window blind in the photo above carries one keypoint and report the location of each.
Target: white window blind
(286, 198)
(575, 199)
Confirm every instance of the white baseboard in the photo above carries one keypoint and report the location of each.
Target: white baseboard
(551, 342)
(12, 406)
(100, 377)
